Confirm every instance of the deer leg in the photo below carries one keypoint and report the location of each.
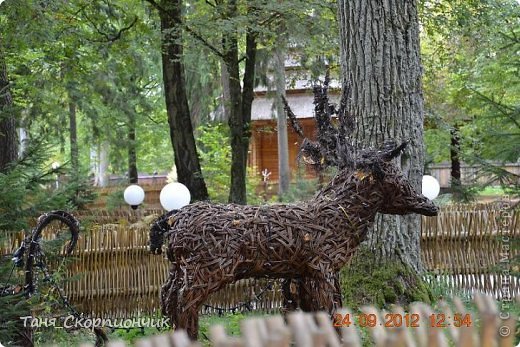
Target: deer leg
(191, 297)
(188, 312)
(290, 294)
(338, 301)
(170, 295)
(309, 294)
(320, 294)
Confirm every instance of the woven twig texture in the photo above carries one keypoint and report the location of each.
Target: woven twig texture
(211, 245)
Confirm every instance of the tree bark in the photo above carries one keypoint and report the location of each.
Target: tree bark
(132, 150)
(382, 81)
(8, 135)
(104, 157)
(23, 138)
(284, 174)
(241, 100)
(455, 162)
(181, 129)
(224, 81)
(73, 138)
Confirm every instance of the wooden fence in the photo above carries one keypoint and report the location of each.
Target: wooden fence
(473, 247)
(464, 248)
(484, 328)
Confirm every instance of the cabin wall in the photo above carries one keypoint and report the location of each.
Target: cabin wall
(263, 152)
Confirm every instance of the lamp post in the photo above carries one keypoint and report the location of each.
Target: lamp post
(174, 196)
(134, 195)
(55, 166)
(430, 187)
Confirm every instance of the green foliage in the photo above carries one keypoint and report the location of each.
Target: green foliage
(304, 188)
(463, 193)
(63, 338)
(27, 190)
(215, 157)
(115, 199)
(103, 57)
(493, 191)
(130, 336)
(13, 307)
(470, 55)
(437, 148)
(231, 322)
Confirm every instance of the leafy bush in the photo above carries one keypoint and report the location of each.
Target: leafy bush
(215, 156)
(26, 190)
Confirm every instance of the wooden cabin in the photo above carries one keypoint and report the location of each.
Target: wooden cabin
(263, 152)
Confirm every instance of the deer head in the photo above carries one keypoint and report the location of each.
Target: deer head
(398, 195)
(158, 229)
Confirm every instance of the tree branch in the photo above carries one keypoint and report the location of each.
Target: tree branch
(109, 38)
(190, 31)
(270, 19)
(203, 41)
(292, 118)
(504, 109)
(6, 87)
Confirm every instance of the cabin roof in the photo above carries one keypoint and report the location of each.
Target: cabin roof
(301, 103)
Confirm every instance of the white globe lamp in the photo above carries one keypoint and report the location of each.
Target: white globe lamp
(174, 196)
(430, 187)
(134, 195)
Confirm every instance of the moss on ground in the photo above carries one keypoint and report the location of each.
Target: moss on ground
(371, 281)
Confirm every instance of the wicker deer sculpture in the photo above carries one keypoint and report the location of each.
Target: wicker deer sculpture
(212, 245)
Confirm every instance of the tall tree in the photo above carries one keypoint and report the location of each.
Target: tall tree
(383, 94)
(238, 27)
(8, 135)
(455, 181)
(241, 98)
(179, 119)
(471, 87)
(73, 138)
(284, 175)
(132, 150)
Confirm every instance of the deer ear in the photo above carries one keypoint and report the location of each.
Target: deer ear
(392, 153)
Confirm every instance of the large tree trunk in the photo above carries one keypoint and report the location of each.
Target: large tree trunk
(8, 136)
(284, 174)
(382, 81)
(132, 150)
(181, 129)
(241, 100)
(237, 192)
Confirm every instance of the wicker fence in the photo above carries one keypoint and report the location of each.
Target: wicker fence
(474, 247)
(466, 248)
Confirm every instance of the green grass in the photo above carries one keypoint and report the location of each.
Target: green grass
(230, 321)
(492, 191)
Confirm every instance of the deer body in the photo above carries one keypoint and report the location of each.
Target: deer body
(211, 245)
